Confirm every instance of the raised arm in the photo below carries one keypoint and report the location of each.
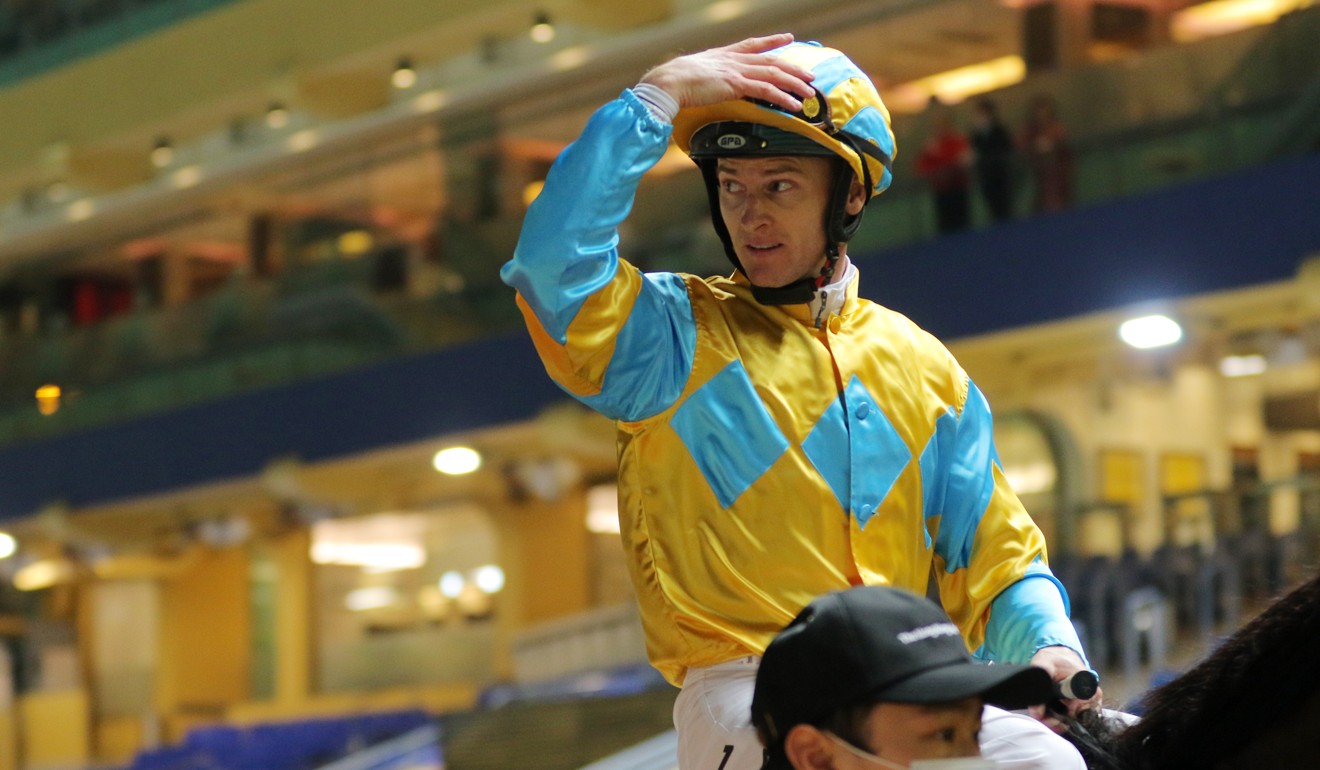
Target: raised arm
(618, 340)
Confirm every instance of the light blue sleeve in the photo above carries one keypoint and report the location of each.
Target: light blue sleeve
(1032, 612)
(1028, 615)
(567, 253)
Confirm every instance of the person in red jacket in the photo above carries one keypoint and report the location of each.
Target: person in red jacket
(945, 162)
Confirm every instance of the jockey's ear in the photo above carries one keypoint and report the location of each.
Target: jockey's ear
(857, 197)
(807, 748)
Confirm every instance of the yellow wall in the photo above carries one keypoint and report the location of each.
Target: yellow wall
(206, 635)
(551, 546)
(118, 739)
(55, 727)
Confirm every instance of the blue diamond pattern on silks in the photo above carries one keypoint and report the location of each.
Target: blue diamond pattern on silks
(826, 446)
(879, 454)
(729, 433)
(939, 448)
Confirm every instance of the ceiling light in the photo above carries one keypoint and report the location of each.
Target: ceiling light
(1152, 331)
(373, 557)
(187, 176)
(725, 10)
(8, 545)
(430, 101)
(404, 75)
(489, 578)
(372, 598)
(355, 243)
(603, 509)
(1219, 17)
(277, 115)
(304, 140)
(457, 460)
(162, 154)
(48, 399)
(570, 58)
(1242, 366)
(80, 210)
(451, 584)
(956, 85)
(542, 31)
(43, 574)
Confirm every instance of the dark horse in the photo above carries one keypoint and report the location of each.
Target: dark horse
(1252, 703)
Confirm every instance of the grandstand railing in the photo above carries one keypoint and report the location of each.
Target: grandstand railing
(247, 335)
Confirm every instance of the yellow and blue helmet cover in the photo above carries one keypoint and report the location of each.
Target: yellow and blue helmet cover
(855, 124)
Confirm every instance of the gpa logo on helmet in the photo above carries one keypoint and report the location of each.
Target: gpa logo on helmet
(731, 141)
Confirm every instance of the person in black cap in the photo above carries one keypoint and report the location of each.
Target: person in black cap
(878, 677)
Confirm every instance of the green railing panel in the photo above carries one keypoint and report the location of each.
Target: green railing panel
(130, 19)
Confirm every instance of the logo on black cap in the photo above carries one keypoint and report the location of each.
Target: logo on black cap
(731, 141)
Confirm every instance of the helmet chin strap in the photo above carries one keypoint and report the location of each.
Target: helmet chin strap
(802, 290)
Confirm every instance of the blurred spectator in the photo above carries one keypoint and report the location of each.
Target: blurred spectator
(1044, 140)
(945, 162)
(994, 159)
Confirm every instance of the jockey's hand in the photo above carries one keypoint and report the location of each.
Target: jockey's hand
(1061, 662)
(734, 72)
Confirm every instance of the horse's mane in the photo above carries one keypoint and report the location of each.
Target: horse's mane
(1256, 680)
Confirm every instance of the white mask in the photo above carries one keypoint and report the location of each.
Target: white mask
(954, 763)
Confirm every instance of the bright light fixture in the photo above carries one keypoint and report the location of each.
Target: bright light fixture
(489, 578)
(570, 58)
(1242, 366)
(277, 115)
(404, 75)
(355, 243)
(457, 460)
(304, 140)
(372, 598)
(1151, 331)
(48, 399)
(603, 509)
(8, 545)
(162, 154)
(724, 10)
(956, 85)
(451, 584)
(430, 101)
(43, 574)
(543, 30)
(186, 177)
(80, 210)
(1030, 478)
(1220, 17)
(375, 557)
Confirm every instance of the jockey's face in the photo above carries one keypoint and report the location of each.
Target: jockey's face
(774, 209)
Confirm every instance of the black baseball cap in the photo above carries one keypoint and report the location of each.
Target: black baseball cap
(874, 644)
